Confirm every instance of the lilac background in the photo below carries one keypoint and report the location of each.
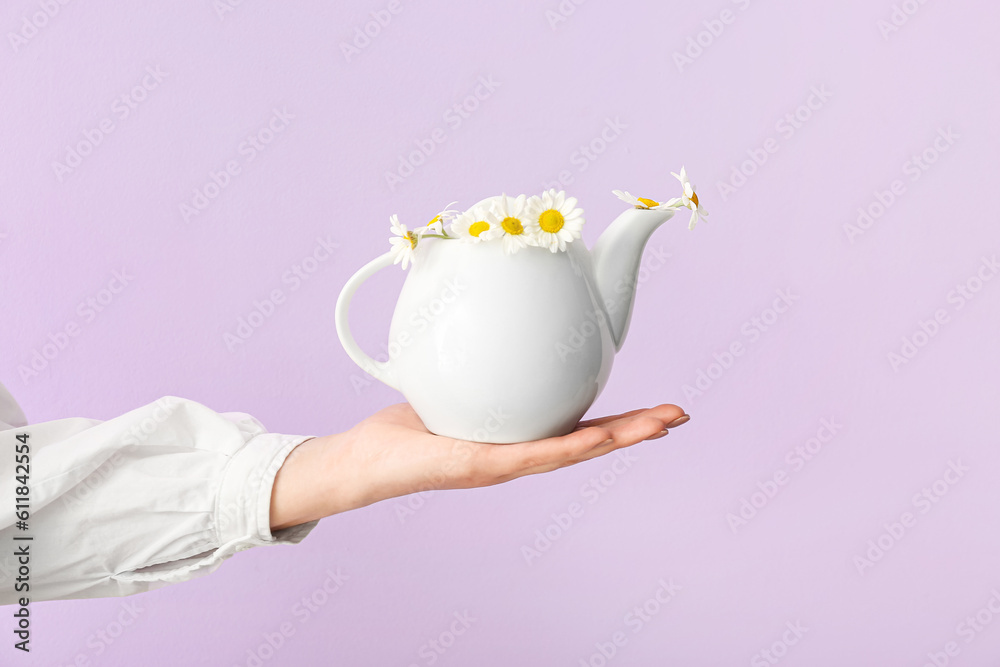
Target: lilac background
(666, 516)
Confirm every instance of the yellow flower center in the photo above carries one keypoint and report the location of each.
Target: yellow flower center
(477, 228)
(435, 219)
(412, 238)
(694, 198)
(648, 203)
(551, 221)
(512, 226)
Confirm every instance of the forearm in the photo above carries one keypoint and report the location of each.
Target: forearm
(315, 481)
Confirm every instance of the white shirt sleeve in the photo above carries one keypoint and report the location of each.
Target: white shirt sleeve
(159, 495)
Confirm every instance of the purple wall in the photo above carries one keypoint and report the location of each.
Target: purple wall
(881, 98)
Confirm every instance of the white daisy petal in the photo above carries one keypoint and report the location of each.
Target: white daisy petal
(404, 243)
(554, 226)
(549, 198)
(512, 221)
(475, 225)
(626, 197)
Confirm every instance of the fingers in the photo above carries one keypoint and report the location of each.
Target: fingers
(502, 463)
(635, 434)
(626, 434)
(612, 433)
(604, 420)
(631, 438)
(665, 412)
(668, 411)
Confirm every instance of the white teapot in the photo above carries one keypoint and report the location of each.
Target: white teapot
(501, 339)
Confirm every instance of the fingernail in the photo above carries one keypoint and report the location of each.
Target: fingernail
(683, 419)
(659, 435)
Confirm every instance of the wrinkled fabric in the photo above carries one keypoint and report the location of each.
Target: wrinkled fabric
(159, 495)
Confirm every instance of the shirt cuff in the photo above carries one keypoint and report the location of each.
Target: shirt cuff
(242, 510)
(243, 506)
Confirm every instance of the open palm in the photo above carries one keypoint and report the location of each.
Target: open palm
(391, 454)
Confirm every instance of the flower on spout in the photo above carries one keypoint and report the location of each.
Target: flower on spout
(689, 199)
(404, 243)
(437, 223)
(639, 202)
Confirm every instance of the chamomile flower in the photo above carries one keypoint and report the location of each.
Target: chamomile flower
(689, 199)
(404, 243)
(437, 223)
(554, 219)
(512, 216)
(639, 202)
(475, 225)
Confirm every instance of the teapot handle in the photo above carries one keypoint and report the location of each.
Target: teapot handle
(380, 370)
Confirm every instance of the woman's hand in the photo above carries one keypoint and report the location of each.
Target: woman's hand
(392, 454)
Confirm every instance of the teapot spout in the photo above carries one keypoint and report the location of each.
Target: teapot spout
(616, 256)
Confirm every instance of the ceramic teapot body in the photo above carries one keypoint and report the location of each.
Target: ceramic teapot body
(501, 348)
